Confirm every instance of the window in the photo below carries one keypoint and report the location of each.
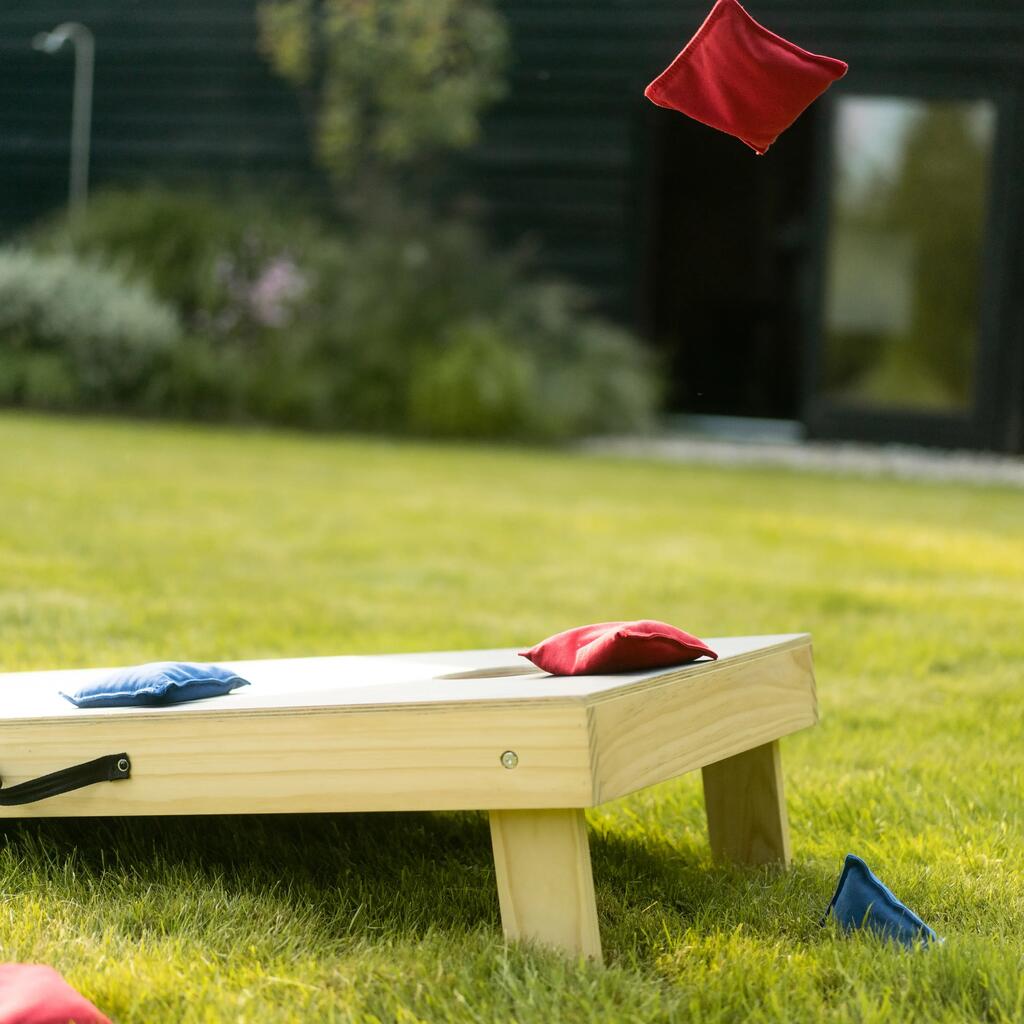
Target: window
(904, 253)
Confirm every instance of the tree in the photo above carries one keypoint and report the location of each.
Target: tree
(387, 83)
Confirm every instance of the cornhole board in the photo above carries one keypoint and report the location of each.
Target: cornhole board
(443, 731)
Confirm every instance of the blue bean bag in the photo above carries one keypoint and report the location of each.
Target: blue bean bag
(156, 684)
(862, 901)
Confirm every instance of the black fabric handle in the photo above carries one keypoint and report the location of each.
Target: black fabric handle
(103, 769)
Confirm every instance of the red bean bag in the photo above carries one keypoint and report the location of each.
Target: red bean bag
(37, 994)
(616, 647)
(737, 76)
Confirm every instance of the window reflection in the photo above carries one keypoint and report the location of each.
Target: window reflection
(905, 247)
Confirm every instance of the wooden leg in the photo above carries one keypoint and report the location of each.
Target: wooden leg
(545, 884)
(747, 807)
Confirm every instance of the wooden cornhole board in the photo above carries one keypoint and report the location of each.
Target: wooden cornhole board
(445, 731)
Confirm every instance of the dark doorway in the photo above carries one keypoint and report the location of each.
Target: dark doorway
(727, 240)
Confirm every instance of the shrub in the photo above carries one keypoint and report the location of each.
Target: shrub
(225, 265)
(405, 324)
(596, 377)
(75, 335)
(475, 385)
(426, 299)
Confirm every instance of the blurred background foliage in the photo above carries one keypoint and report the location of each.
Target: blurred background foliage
(387, 83)
(409, 324)
(74, 334)
(375, 309)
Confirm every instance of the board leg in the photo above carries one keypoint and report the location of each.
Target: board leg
(545, 882)
(746, 807)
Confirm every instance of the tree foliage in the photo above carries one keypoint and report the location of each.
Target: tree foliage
(387, 82)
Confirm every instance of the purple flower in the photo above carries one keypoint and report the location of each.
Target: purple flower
(279, 285)
(262, 295)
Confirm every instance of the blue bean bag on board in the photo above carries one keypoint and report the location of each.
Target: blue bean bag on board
(156, 684)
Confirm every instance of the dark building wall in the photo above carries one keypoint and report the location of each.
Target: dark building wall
(678, 230)
(567, 155)
(180, 91)
(712, 251)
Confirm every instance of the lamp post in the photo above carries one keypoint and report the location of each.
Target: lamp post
(81, 105)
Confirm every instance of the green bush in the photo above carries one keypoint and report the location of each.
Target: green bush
(74, 335)
(476, 385)
(593, 377)
(425, 299)
(216, 260)
(405, 323)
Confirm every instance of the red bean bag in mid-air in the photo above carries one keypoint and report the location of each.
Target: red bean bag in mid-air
(739, 77)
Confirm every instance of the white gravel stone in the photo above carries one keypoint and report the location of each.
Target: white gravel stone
(900, 461)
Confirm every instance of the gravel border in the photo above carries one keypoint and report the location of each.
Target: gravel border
(900, 461)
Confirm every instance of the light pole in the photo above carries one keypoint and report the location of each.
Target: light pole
(81, 104)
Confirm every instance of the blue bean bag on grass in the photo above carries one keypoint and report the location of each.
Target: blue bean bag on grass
(862, 901)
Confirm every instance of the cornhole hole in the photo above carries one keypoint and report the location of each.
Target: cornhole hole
(443, 731)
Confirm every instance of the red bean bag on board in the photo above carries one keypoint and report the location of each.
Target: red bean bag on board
(616, 647)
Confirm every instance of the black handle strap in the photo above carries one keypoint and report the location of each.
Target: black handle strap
(103, 769)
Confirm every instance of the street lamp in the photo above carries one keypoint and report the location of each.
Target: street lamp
(81, 104)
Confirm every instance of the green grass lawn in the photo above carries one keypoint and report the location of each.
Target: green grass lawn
(121, 543)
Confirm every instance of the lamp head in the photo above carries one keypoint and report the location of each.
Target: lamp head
(51, 42)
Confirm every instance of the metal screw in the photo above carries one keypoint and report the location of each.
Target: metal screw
(509, 759)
